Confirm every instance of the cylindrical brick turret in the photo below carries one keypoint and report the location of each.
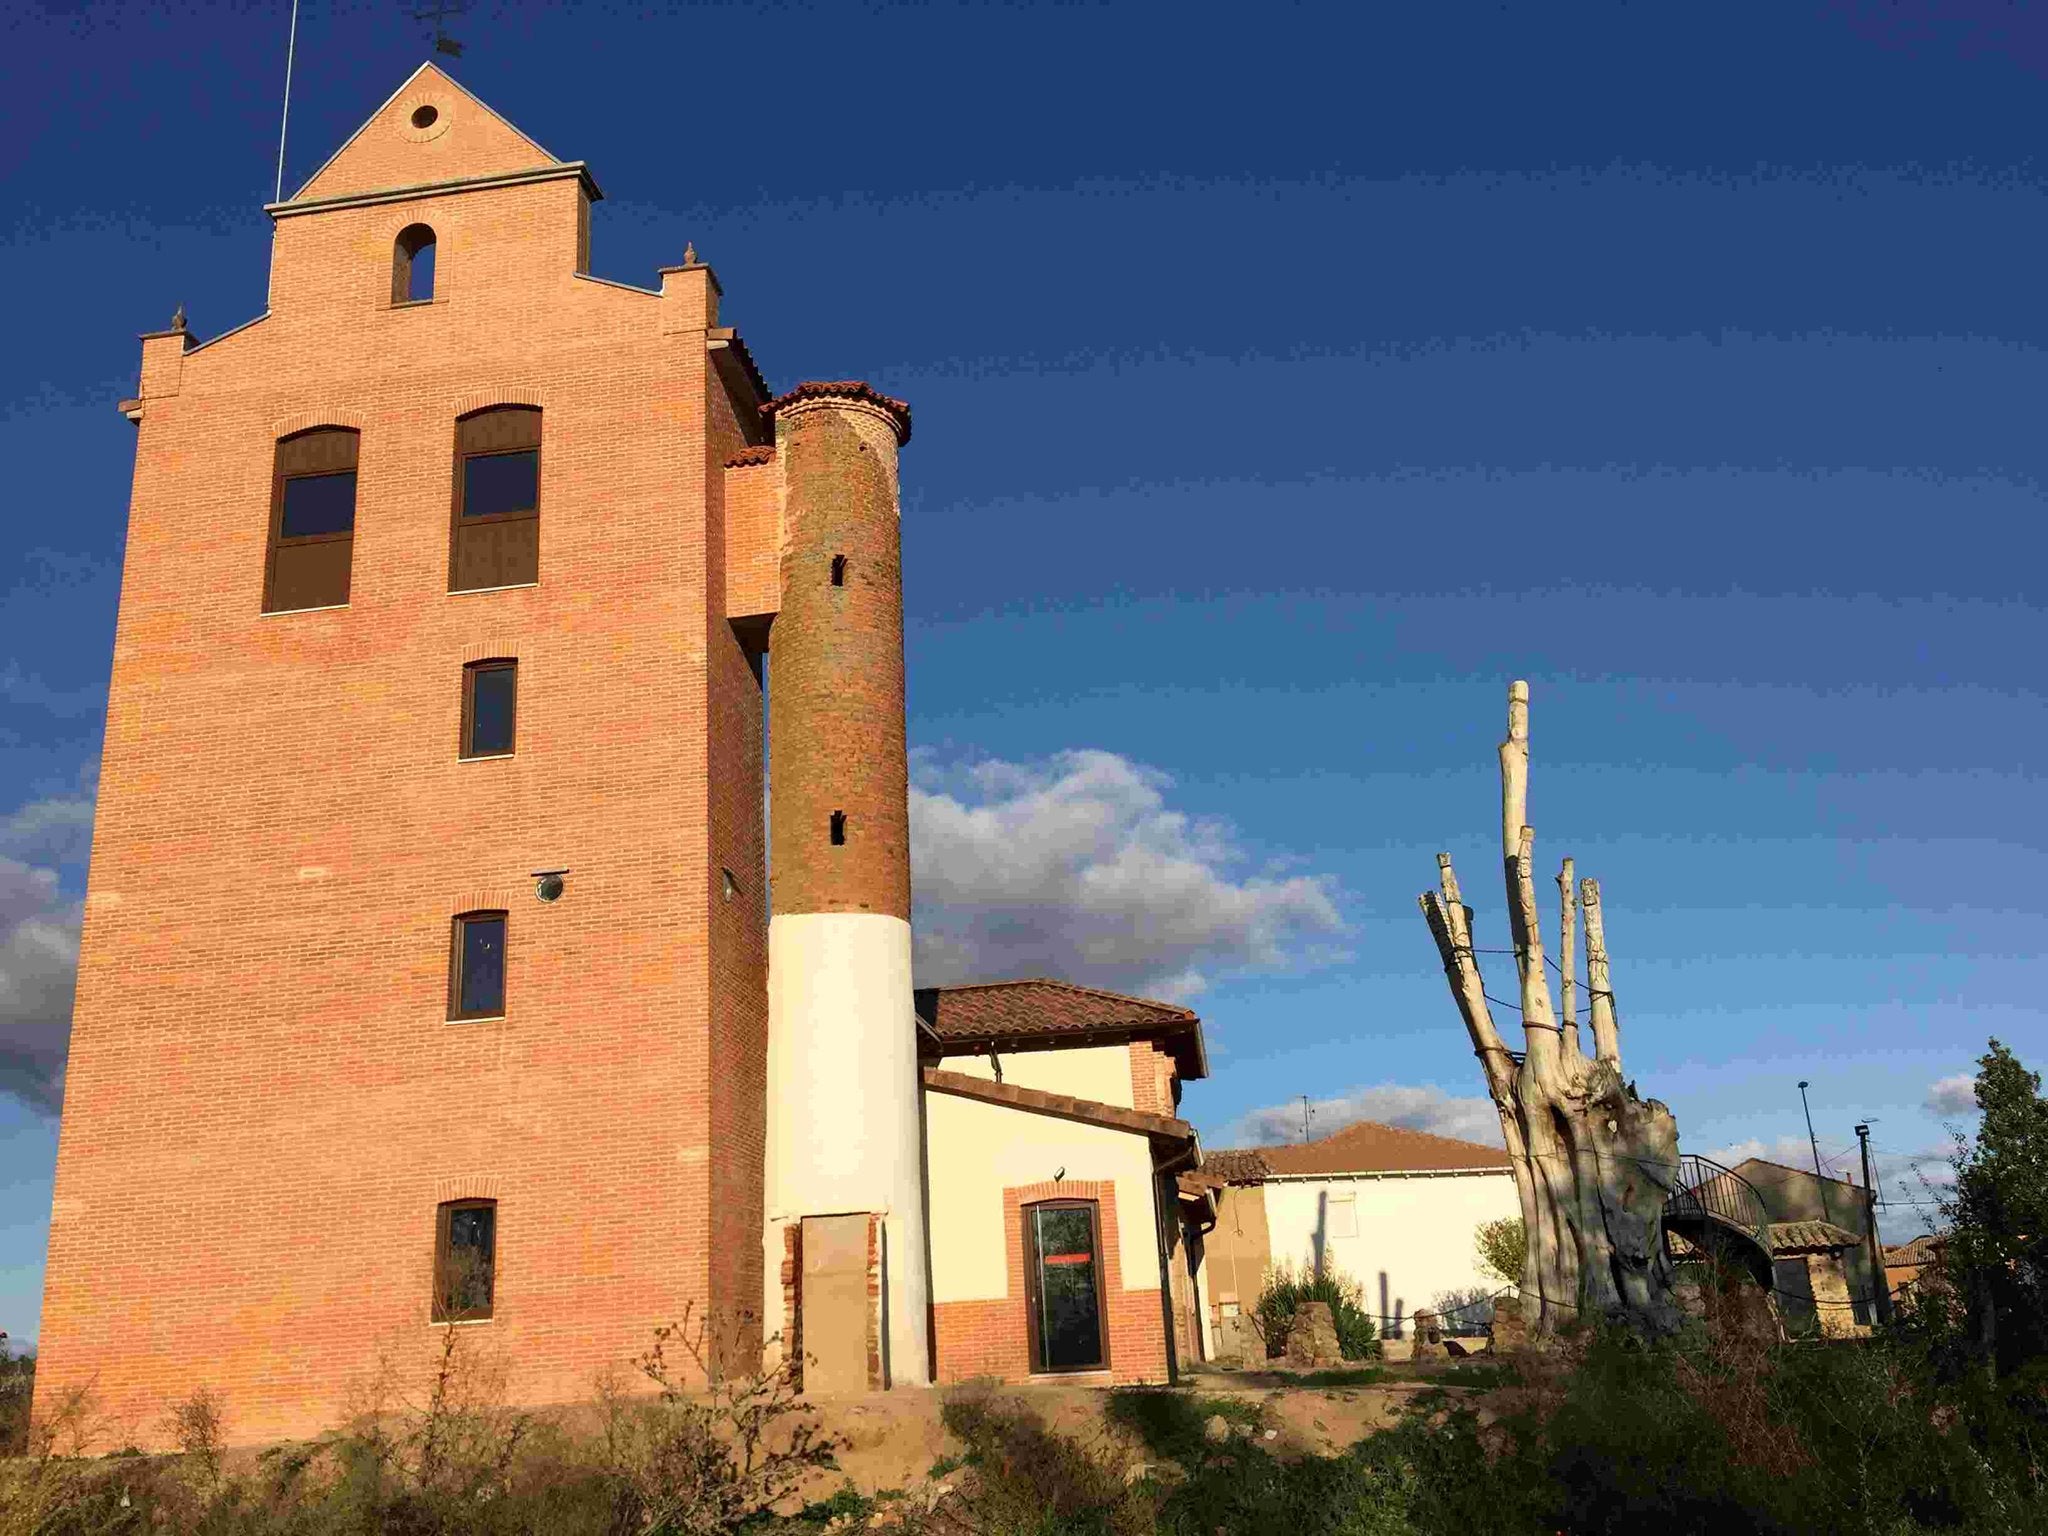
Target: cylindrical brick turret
(841, 826)
(845, 1136)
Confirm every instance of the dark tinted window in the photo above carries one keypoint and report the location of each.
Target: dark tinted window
(493, 699)
(500, 482)
(465, 1260)
(1068, 1302)
(319, 504)
(480, 965)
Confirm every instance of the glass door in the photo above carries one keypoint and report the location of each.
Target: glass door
(1065, 1275)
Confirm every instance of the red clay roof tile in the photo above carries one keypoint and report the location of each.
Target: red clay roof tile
(1367, 1147)
(1045, 1012)
(846, 389)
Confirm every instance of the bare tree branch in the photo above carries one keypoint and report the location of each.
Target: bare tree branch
(1599, 987)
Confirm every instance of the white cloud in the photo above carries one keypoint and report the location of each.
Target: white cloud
(54, 831)
(38, 947)
(1789, 1151)
(1076, 867)
(1408, 1106)
(1953, 1095)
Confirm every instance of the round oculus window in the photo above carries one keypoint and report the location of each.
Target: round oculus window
(421, 119)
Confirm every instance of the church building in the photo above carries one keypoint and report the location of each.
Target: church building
(440, 968)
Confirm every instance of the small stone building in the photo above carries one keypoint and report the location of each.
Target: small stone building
(1819, 1228)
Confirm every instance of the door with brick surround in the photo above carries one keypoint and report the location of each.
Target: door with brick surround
(1063, 1276)
(835, 1303)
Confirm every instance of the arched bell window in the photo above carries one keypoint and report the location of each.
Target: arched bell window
(412, 265)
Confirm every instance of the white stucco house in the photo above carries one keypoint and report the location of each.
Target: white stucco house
(1394, 1209)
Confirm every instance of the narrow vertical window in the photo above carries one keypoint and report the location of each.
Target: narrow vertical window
(839, 829)
(465, 1260)
(476, 981)
(495, 540)
(490, 706)
(839, 570)
(312, 520)
(1063, 1275)
(412, 265)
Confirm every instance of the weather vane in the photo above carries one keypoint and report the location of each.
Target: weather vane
(438, 13)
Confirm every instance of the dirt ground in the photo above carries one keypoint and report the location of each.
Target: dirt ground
(893, 1440)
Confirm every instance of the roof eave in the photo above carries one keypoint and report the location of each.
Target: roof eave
(292, 207)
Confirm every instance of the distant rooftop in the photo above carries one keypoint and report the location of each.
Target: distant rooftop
(1366, 1147)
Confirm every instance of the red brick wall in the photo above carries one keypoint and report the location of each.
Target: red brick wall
(753, 533)
(737, 957)
(836, 679)
(467, 139)
(992, 1338)
(1152, 1079)
(265, 1099)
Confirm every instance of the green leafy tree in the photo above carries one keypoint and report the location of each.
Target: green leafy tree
(1501, 1246)
(1997, 1248)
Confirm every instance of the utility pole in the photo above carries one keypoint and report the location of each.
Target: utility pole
(1881, 1299)
(1304, 1119)
(1820, 1177)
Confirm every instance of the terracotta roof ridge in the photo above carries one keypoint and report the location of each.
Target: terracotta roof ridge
(1071, 986)
(1811, 1232)
(847, 389)
(1404, 1130)
(757, 453)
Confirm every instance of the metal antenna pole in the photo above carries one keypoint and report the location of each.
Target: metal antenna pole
(1304, 1119)
(1820, 1178)
(291, 48)
(1880, 1292)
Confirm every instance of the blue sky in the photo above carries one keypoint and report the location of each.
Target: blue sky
(1287, 380)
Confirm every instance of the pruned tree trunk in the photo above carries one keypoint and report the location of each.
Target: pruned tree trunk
(1593, 1162)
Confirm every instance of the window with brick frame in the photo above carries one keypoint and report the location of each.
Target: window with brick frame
(494, 533)
(476, 966)
(312, 520)
(490, 707)
(465, 1260)
(412, 265)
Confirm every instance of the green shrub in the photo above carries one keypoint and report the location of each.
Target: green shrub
(1501, 1246)
(1287, 1288)
(17, 1386)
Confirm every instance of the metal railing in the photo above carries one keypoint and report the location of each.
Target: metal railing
(1705, 1191)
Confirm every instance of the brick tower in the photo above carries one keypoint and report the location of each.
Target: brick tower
(449, 573)
(845, 1180)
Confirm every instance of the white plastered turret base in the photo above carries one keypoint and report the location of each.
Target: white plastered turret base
(844, 1130)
